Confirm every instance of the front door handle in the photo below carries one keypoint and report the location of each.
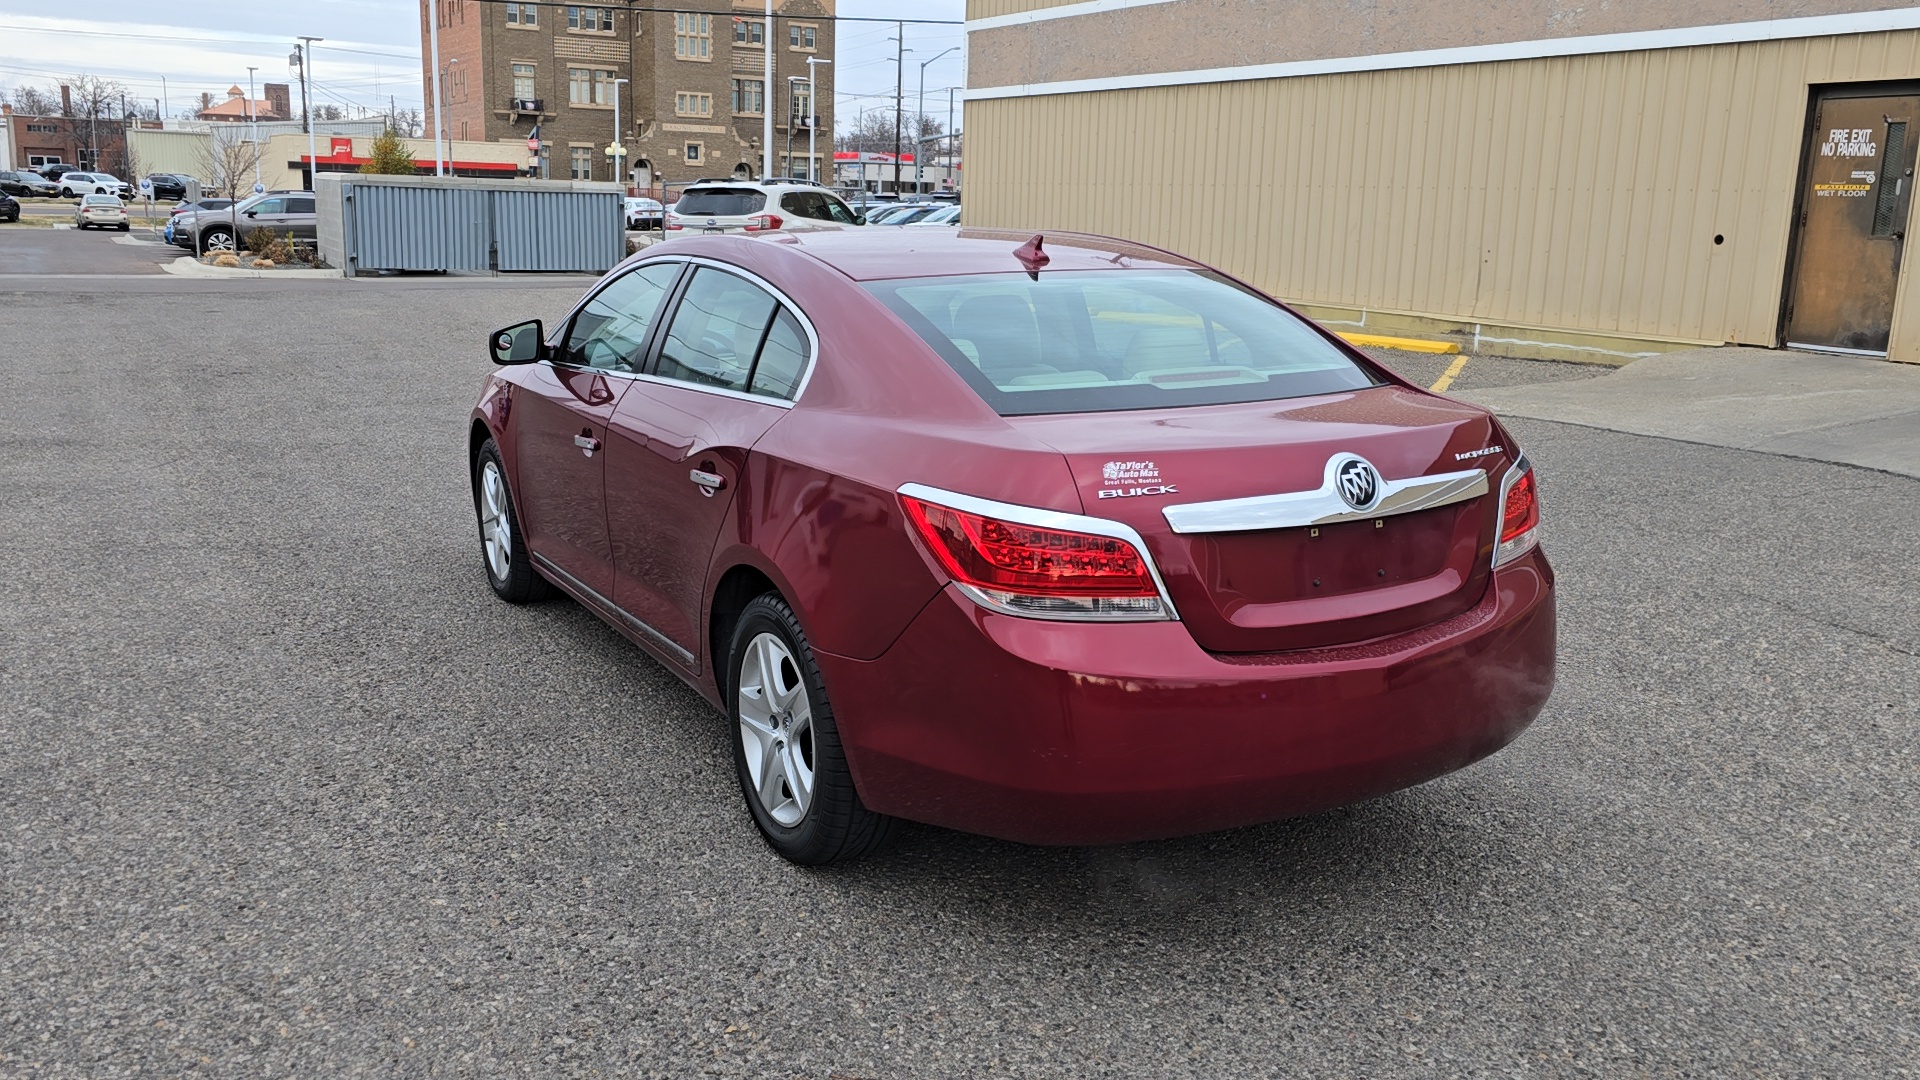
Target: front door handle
(587, 444)
(707, 482)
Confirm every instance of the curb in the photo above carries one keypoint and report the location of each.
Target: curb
(1380, 341)
(188, 266)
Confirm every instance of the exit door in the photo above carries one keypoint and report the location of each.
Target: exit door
(1853, 221)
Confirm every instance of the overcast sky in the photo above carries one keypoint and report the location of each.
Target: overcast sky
(372, 51)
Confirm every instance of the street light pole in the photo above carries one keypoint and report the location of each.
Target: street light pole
(792, 108)
(766, 122)
(433, 87)
(253, 117)
(618, 149)
(920, 110)
(440, 124)
(306, 109)
(813, 120)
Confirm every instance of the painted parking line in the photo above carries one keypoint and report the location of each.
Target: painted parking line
(1453, 372)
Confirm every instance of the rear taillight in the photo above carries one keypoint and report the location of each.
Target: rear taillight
(764, 222)
(1519, 514)
(673, 224)
(1037, 563)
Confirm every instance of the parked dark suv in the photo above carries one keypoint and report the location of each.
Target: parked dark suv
(9, 208)
(168, 186)
(27, 185)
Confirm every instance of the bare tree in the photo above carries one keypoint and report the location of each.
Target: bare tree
(873, 133)
(35, 101)
(93, 103)
(329, 112)
(407, 122)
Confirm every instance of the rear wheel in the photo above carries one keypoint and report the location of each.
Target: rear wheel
(787, 750)
(126, 226)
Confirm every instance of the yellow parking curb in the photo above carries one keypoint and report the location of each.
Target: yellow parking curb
(1404, 344)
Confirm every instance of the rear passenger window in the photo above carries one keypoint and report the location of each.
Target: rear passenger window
(297, 205)
(716, 332)
(730, 334)
(782, 359)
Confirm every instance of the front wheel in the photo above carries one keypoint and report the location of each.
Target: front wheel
(787, 750)
(509, 571)
(217, 240)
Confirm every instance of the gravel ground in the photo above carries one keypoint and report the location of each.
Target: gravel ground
(285, 792)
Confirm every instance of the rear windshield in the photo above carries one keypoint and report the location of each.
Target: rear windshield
(102, 200)
(721, 202)
(1107, 340)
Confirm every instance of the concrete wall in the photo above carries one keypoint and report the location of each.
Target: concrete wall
(1579, 193)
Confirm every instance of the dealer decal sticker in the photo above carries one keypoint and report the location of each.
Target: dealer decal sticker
(1127, 479)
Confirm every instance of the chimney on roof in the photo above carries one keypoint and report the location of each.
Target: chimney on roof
(66, 100)
(279, 104)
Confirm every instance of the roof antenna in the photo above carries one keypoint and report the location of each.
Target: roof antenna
(1032, 256)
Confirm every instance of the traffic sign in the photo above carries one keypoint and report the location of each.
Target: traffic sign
(258, 190)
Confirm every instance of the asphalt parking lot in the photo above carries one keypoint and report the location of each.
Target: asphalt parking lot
(285, 792)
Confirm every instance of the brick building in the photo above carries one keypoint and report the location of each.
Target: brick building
(693, 104)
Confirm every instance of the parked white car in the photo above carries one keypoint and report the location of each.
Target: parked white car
(73, 185)
(101, 212)
(644, 213)
(946, 215)
(724, 206)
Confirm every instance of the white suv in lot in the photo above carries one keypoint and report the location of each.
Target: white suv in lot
(734, 206)
(73, 185)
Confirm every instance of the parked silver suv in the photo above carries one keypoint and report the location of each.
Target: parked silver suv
(734, 206)
(290, 213)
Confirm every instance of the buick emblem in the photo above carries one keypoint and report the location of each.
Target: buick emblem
(1358, 483)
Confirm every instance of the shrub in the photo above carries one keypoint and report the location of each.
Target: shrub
(260, 239)
(226, 258)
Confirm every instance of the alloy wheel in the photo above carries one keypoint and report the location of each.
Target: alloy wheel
(496, 533)
(219, 241)
(776, 729)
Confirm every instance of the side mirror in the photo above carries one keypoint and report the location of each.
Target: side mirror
(253, 213)
(522, 343)
(859, 219)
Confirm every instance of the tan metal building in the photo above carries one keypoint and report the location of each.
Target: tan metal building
(1553, 176)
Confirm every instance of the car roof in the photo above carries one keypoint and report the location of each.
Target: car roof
(882, 253)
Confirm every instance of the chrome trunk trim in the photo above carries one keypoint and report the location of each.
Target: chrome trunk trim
(1323, 505)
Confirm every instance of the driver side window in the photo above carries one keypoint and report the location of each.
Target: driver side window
(611, 331)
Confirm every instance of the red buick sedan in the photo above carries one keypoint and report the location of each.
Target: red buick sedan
(1062, 540)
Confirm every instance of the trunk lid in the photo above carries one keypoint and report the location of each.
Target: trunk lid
(1242, 581)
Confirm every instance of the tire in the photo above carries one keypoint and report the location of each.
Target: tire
(786, 747)
(126, 226)
(67, 193)
(217, 240)
(503, 548)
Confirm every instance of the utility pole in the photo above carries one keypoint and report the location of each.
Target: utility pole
(169, 105)
(306, 114)
(899, 81)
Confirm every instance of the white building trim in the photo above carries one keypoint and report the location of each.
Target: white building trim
(1865, 22)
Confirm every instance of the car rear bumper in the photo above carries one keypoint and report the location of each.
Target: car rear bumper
(1075, 733)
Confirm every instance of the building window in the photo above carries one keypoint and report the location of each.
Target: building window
(581, 158)
(590, 19)
(750, 32)
(696, 153)
(579, 86)
(523, 88)
(692, 36)
(749, 97)
(523, 15)
(685, 104)
(802, 37)
(46, 129)
(603, 86)
(802, 107)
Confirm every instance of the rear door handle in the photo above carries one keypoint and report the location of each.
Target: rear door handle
(707, 482)
(587, 444)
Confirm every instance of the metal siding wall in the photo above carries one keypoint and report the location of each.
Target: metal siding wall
(418, 228)
(559, 230)
(1580, 193)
